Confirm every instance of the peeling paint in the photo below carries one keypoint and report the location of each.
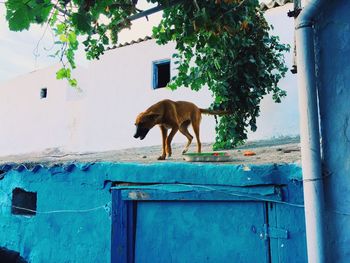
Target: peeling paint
(137, 195)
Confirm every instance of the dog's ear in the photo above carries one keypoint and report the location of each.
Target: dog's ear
(153, 115)
(139, 117)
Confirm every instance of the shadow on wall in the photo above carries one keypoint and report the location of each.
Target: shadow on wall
(10, 256)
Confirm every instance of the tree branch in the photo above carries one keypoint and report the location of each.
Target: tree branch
(196, 4)
(62, 10)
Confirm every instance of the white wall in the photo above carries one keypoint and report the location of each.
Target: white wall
(28, 122)
(120, 87)
(280, 119)
(114, 90)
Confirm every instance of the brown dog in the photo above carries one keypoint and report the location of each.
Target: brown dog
(174, 115)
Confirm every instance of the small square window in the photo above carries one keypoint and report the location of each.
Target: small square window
(161, 73)
(43, 93)
(23, 202)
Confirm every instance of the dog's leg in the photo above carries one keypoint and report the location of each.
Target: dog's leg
(184, 131)
(164, 132)
(169, 139)
(195, 126)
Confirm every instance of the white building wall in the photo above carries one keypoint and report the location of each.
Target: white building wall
(27, 122)
(121, 87)
(280, 119)
(114, 90)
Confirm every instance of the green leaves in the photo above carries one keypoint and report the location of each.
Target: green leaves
(82, 22)
(19, 19)
(227, 47)
(21, 13)
(63, 73)
(223, 44)
(69, 19)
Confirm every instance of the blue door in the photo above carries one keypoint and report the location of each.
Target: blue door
(187, 232)
(186, 223)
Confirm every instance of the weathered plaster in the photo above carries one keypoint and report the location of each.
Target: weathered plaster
(333, 76)
(57, 233)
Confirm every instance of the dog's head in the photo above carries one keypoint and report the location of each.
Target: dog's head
(144, 122)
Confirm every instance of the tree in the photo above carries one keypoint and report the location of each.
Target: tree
(224, 44)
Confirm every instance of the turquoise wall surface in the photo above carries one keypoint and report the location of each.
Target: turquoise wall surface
(333, 77)
(62, 231)
(73, 219)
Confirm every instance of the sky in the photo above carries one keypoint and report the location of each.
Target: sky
(18, 49)
(26, 51)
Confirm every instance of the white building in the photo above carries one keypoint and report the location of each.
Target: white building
(113, 90)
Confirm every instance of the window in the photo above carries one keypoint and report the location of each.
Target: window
(161, 73)
(23, 202)
(43, 93)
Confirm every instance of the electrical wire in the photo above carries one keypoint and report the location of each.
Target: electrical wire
(106, 207)
(64, 210)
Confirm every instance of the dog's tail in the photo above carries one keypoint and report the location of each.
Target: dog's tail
(214, 112)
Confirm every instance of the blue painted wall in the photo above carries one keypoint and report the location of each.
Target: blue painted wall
(333, 76)
(73, 223)
(191, 223)
(200, 232)
(58, 236)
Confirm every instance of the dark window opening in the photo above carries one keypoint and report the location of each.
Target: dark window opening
(23, 202)
(161, 74)
(10, 256)
(43, 93)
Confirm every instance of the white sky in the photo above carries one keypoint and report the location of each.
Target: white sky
(17, 49)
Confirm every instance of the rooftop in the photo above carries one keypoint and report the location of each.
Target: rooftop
(264, 6)
(279, 151)
(269, 4)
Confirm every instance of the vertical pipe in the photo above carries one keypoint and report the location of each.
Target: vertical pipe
(310, 135)
(310, 147)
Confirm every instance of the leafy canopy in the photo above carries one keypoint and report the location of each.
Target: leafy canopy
(222, 44)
